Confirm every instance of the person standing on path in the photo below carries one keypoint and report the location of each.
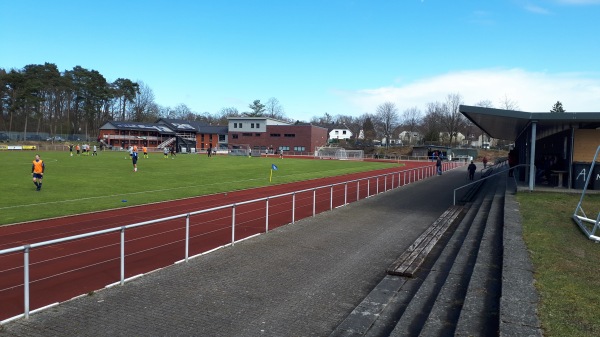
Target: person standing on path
(438, 165)
(472, 168)
(37, 172)
(485, 161)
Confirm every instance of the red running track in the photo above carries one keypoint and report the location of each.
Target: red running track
(62, 271)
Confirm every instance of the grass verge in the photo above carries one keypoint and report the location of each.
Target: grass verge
(565, 263)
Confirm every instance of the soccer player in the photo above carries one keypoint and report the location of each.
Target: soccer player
(95, 153)
(71, 149)
(166, 152)
(145, 150)
(37, 171)
(134, 158)
(77, 148)
(173, 152)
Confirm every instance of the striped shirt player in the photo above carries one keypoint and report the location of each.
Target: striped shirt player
(37, 171)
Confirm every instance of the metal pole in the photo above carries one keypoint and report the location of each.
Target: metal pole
(532, 156)
(357, 190)
(331, 199)
(346, 193)
(122, 255)
(267, 216)
(187, 237)
(232, 224)
(293, 207)
(385, 183)
(368, 187)
(377, 185)
(314, 201)
(26, 280)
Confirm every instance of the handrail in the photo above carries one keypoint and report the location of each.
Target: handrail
(483, 178)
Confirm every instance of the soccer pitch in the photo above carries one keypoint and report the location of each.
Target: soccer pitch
(80, 184)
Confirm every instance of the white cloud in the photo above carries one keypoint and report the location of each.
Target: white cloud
(531, 91)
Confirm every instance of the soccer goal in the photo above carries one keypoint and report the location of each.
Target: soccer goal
(339, 153)
(239, 149)
(588, 225)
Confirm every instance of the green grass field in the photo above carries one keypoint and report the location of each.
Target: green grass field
(565, 262)
(82, 184)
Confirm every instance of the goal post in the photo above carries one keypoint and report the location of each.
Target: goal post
(239, 149)
(339, 153)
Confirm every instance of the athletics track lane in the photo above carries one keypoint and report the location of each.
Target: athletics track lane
(62, 271)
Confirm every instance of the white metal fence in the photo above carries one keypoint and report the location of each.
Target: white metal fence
(338, 195)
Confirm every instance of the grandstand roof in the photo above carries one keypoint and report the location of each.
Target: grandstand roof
(137, 126)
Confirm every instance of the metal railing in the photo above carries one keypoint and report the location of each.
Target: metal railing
(484, 177)
(395, 180)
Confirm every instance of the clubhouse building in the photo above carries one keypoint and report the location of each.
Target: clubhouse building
(259, 134)
(556, 149)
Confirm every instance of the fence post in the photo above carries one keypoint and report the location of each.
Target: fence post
(26, 280)
(346, 193)
(267, 216)
(232, 224)
(331, 199)
(377, 185)
(187, 237)
(392, 181)
(357, 190)
(368, 187)
(385, 182)
(122, 255)
(314, 201)
(294, 207)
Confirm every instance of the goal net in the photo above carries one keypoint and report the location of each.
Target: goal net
(239, 149)
(339, 153)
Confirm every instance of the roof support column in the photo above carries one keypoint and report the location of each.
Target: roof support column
(532, 156)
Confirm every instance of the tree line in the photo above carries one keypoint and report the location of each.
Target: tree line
(41, 99)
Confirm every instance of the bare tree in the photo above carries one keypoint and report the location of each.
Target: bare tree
(411, 120)
(508, 104)
(452, 119)
(431, 124)
(274, 109)
(142, 102)
(387, 119)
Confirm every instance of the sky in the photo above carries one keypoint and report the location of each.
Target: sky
(340, 57)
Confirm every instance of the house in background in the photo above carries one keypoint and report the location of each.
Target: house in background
(410, 137)
(340, 134)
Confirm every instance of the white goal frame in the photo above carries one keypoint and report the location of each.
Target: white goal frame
(339, 153)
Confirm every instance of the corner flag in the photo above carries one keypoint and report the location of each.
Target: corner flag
(273, 167)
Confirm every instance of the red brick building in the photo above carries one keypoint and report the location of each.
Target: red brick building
(267, 134)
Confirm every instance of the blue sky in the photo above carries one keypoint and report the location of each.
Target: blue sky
(335, 56)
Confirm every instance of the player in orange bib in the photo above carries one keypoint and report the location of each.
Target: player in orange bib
(145, 150)
(37, 171)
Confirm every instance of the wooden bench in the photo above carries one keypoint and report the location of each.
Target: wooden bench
(412, 258)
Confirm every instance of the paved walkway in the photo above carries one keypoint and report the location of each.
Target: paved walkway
(299, 280)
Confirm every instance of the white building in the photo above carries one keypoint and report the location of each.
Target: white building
(340, 134)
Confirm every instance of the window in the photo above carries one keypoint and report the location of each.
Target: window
(235, 125)
(257, 125)
(221, 138)
(257, 135)
(284, 148)
(234, 136)
(252, 125)
(299, 148)
(241, 125)
(289, 135)
(245, 134)
(275, 135)
(344, 132)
